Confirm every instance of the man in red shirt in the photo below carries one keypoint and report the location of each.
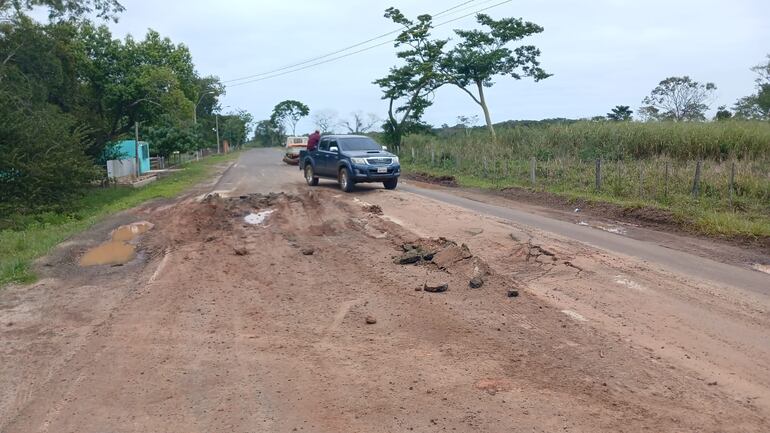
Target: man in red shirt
(312, 140)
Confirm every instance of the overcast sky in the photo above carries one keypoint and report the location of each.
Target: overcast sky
(602, 52)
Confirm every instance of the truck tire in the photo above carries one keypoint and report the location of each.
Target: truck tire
(391, 184)
(310, 177)
(345, 180)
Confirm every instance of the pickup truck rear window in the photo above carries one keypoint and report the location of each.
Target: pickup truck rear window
(353, 144)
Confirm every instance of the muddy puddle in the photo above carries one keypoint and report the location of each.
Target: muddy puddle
(118, 250)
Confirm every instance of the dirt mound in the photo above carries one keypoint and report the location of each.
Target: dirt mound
(430, 178)
(650, 215)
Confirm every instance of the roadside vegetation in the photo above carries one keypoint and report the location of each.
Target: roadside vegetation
(70, 89)
(643, 164)
(25, 237)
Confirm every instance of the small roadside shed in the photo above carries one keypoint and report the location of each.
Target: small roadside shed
(128, 149)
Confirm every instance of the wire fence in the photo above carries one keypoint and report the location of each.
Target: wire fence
(731, 183)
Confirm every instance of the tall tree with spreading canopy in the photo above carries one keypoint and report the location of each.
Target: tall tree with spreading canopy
(107, 9)
(289, 112)
(678, 99)
(409, 87)
(620, 113)
(482, 55)
(757, 106)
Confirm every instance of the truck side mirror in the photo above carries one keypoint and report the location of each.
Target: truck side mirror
(334, 149)
(384, 147)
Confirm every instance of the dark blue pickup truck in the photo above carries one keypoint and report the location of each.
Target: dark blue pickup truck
(350, 159)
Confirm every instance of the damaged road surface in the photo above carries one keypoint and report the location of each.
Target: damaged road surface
(279, 308)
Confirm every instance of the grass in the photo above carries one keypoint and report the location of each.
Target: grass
(643, 165)
(745, 140)
(28, 237)
(704, 215)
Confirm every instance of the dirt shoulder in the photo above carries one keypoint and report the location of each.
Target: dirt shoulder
(642, 223)
(308, 321)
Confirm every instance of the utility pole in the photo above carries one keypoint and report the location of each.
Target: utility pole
(136, 147)
(217, 120)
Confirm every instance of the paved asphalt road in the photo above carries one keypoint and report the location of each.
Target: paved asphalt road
(262, 170)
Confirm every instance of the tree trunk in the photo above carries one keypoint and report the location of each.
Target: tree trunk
(483, 103)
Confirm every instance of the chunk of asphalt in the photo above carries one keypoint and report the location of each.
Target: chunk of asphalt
(435, 288)
(410, 257)
(307, 251)
(476, 282)
(513, 293)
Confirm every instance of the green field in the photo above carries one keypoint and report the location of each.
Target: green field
(642, 165)
(25, 238)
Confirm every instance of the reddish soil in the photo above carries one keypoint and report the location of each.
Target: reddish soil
(433, 179)
(308, 322)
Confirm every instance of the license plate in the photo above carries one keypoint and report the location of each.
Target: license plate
(382, 169)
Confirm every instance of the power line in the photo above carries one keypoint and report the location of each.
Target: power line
(279, 74)
(453, 10)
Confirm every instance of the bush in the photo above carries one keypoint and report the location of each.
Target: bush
(44, 164)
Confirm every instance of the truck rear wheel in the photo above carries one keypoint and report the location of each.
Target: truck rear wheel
(310, 176)
(391, 184)
(346, 182)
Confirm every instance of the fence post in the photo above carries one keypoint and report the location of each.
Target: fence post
(433, 156)
(486, 168)
(696, 180)
(532, 167)
(732, 182)
(598, 174)
(665, 181)
(641, 179)
(412, 149)
(506, 168)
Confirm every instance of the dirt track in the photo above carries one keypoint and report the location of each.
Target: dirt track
(221, 326)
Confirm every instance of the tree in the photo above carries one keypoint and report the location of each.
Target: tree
(620, 113)
(267, 133)
(723, 113)
(325, 121)
(678, 99)
(290, 112)
(757, 106)
(69, 83)
(107, 9)
(409, 88)
(236, 127)
(361, 124)
(467, 122)
(482, 55)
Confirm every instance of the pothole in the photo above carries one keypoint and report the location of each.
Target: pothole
(118, 250)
